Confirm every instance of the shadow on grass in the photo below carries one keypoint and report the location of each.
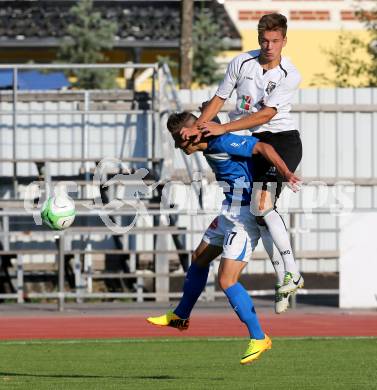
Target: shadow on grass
(73, 376)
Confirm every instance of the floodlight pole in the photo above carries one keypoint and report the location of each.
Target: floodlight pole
(186, 49)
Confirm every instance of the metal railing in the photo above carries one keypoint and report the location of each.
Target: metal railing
(85, 279)
(83, 112)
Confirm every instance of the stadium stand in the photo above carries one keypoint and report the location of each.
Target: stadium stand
(143, 27)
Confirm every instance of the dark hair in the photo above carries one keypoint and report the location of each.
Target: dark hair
(272, 22)
(178, 120)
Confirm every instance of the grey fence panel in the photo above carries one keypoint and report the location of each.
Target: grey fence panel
(363, 138)
(60, 135)
(310, 159)
(6, 136)
(327, 140)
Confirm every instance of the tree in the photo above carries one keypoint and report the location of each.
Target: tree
(369, 18)
(187, 13)
(348, 70)
(87, 37)
(207, 44)
(353, 60)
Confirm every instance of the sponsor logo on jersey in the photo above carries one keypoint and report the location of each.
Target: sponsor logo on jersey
(287, 252)
(246, 102)
(270, 87)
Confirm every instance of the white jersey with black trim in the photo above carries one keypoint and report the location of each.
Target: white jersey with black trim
(257, 88)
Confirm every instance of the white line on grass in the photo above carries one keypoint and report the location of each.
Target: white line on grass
(168, 340)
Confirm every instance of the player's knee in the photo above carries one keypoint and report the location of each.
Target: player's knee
(200, 261)
(194, 257)
(260, 218)
(225, 281)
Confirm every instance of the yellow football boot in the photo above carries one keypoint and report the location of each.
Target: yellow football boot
(255, 349)
(170, 319)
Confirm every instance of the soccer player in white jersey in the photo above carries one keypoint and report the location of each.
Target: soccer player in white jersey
(265, 83)
(232, 234)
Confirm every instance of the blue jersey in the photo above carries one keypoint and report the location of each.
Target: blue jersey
(229, 156)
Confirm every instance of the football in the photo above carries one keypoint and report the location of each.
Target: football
(58, 212)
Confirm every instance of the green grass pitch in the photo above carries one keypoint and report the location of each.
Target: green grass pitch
(292, 363)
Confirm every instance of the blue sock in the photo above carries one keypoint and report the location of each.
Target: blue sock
(195, 282)
(244, 307)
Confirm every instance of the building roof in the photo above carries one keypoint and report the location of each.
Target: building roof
(146, 23)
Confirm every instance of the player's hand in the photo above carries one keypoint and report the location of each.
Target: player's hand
(203, 106)
(191, 132)
(294, 182)
(211, 128)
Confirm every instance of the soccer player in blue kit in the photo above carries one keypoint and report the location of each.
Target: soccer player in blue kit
(232, 234)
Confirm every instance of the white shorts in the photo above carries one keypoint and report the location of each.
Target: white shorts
(238, 234)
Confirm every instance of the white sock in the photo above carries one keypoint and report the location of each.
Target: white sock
(280, 236)
(273, 254)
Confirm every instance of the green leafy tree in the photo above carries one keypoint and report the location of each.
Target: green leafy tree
(87, 37)
(347, 62)
(207, 44)
(353, 60)
(171, 62)
(369, 18)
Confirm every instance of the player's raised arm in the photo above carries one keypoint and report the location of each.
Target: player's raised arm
(253, 120)
(208, 112)
(269, 153)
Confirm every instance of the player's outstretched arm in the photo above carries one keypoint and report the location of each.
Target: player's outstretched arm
(208, 112)
(256, 119)
(269, 153)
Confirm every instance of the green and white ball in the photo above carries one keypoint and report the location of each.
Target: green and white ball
(58, 212)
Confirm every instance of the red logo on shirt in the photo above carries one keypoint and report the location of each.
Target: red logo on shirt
(246, 102)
